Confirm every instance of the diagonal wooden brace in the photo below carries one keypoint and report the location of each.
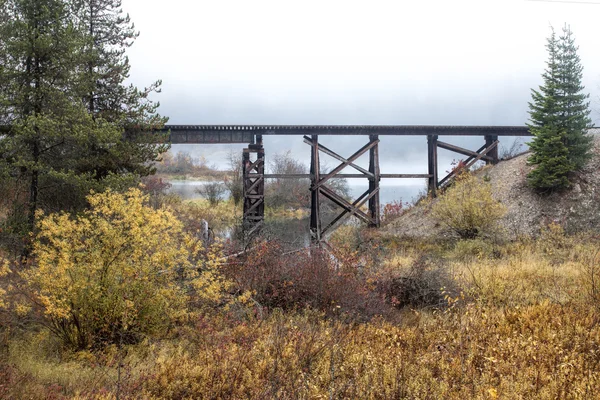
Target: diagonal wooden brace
(344, 164)
(470, 162)
(333, 154)
(255, 228)
(340, 201)
(479, 150)
(253, 207)
(255, 165)
(482, 154)
(357, 204)
(254, 185)
(460, 150)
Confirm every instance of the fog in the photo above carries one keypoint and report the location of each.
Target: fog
(462, 62)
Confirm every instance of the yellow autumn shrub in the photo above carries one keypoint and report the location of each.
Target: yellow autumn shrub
(111, 274)
(4, 270)
(468, 208)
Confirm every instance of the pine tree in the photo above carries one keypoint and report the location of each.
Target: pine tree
(573, 105)
(71, 131)
(559, 117)
(39, 60)
(108, 33)
(553, 168)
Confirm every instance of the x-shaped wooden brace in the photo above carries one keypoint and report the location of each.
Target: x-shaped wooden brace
(255, 180)
(348, 208)
(257, 203)
(254, 166)
(353, 209)
(344, 162)
(254, 184)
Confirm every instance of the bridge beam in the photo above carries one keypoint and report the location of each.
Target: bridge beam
(244, 133)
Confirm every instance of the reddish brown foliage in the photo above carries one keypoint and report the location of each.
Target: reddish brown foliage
(308, 278)
(392, 211)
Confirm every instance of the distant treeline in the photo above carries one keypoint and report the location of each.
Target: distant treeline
(182, 163)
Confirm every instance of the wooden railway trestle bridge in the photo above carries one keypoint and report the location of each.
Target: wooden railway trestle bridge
(253, 159)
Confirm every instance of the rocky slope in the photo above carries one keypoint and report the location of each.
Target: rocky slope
(576, 209)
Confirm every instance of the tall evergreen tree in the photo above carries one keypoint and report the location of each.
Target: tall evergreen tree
(71, 130)
(559, 117)
(38, 60)
(574, 112)
(553, 165)
(108, 33)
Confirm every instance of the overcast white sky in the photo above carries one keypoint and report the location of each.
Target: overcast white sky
(467, 62)
(352, 62)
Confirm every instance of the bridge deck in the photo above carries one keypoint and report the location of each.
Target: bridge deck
(245, 133)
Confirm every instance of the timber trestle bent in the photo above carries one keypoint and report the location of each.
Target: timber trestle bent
(253, 172)
(254, 176)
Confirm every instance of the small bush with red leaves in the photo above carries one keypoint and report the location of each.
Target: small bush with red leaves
(391, 211)
(308, 278)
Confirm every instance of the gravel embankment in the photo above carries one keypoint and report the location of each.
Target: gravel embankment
(527, 211)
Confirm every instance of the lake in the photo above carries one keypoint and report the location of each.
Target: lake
(294, 234)
(390, 190)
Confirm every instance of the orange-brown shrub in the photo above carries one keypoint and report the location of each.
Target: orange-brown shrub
(542, 351)
(308, 278)
(426, 284)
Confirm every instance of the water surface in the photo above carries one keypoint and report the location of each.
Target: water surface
(390, 190)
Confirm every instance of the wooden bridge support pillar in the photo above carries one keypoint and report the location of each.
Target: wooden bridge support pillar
(315, 202)
(319, 187)
(374, 205)
(432, 165)
(254, 188)
(493, 153)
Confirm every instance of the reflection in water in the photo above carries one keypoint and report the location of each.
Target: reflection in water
(188, 189)
(389, 191)
(291, 233)
(295, 233)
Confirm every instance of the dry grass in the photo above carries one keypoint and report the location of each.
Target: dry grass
(537, 351)
(526, 325)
